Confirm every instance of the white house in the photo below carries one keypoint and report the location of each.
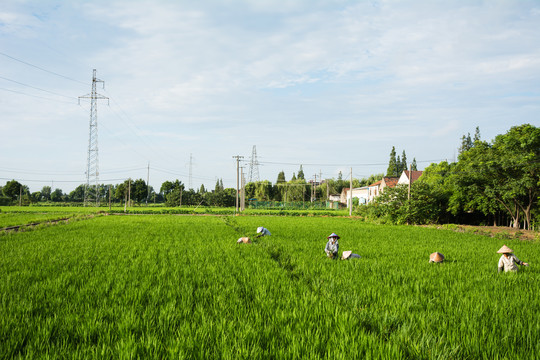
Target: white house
(361, 193)
(409, 176)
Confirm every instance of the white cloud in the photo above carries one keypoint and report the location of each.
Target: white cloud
(214, 78)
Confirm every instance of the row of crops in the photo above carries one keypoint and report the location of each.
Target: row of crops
(167, 286)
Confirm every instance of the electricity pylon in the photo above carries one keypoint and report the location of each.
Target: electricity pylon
(91, 189)
(254, 166)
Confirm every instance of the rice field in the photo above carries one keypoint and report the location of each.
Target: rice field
(174, 286)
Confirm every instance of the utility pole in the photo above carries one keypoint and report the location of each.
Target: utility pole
(237, 157)
(148, 184)
(20, 195)
(409, 192)
(410, 181)
(92, 166)
(350, 206)
(243, 189)
(190, 185)
(109, 197)
(315, 188)
(327, 190)
(129, 192)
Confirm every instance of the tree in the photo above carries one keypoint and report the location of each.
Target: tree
(174, 198)
(139, 191)
(281, 177)
(57, 195)
(77, 194)
(413, 165)
(168, 186)
(392, 170)
(12, 189)
(403, 165)
(219, 186)
(519, 160)
(393, 205)
(46, 193)
(263, 190)
(466, 143)
(502, 175)
(300, 174)
(476, 134)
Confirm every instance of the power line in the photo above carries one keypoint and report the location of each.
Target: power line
(59, 181)
(36, 96)
(33, 87)
(337, 164)
(42, 69)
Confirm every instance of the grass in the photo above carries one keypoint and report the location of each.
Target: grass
(164, 286)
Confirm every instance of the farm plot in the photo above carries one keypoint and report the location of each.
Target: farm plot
(180, 287)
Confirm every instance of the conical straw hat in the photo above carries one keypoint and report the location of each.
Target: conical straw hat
(333, 235)
(436, 257)
(244, 240)
(505, 250)
(346, 254)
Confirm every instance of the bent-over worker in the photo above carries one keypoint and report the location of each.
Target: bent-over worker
(349, 255)
(436, 257)
(509, 261)
(262, 231)
(332, 246)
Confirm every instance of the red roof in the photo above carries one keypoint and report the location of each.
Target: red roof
(390, 181)
(415, 175)
(376, 183)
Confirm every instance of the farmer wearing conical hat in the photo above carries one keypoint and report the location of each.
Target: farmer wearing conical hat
(347, 255)
(332, 246)
(509, 261)
(262, 231)
(436, 257)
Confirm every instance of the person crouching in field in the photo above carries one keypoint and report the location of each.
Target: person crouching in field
(509, 261)
(436, 257)
(332, 246)
(262, 231)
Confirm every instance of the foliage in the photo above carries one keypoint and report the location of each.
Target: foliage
(504, 175)
(392, 164)
(57, 195)
(426, 205)
(13, 189)
(175, 287)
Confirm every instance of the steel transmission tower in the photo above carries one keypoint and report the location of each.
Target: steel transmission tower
(91, 189)
(254, 166)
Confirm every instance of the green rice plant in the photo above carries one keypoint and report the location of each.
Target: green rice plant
(166, 286)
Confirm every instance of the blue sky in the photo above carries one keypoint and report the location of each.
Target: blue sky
(327, 84)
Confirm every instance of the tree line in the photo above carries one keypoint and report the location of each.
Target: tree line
(492, 183)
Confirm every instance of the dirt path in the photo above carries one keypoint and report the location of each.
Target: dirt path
(493, 231)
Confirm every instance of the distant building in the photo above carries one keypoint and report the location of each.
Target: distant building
(334, 197)
(361, 193)
(409, 176)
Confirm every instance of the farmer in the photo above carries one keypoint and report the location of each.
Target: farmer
(509, 261)
(332, 246)
(262, 231)
(244, 240)
(349, 255)
(436, 257)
